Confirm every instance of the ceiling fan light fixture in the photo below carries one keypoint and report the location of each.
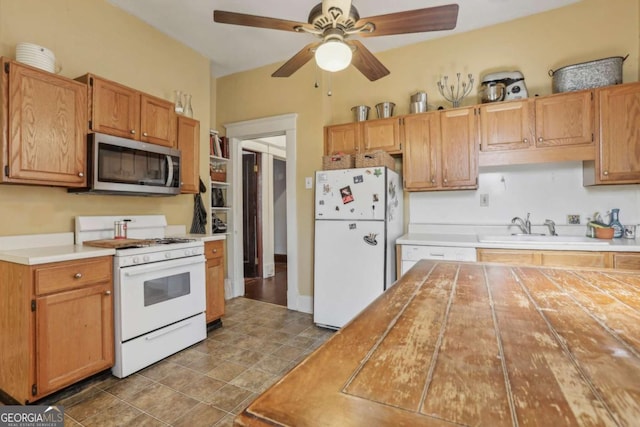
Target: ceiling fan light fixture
(333, 55)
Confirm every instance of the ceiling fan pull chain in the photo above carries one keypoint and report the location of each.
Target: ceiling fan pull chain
(329, 93)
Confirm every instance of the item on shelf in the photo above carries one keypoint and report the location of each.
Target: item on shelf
(375, 158)
(629, 231)
(37, 56)
(360, 113)
(218, 225)
(453, 93)
(503, 86)
(217, 197)
(338, 161)
(188, 110)
(588, 75)
(217, 175)
(385, 109)
(418, 103)
(179, 107)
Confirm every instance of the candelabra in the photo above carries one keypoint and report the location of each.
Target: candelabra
(453, 93)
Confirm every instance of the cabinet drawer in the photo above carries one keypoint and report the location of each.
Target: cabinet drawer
(507, 256)
(575, 259)
(68, 275)
(214, 249)
(448, 253)
(627, 261)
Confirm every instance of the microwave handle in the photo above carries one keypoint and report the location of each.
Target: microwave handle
(170, 174)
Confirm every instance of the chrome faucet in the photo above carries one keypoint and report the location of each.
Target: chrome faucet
(552, 227)
(525, 225)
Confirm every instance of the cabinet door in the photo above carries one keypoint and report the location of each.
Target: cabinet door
(157, 121)
(619, 123)
(565, 119)
(115, 109)
(214, 252)
(420, 153)
(189, 146)
(509, 256)
(507, 125)
(74, 336)
(342, 139)
(459, 148)
(383, 134)
(47, 117)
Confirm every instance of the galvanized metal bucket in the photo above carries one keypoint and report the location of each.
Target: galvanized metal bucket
(588, 75)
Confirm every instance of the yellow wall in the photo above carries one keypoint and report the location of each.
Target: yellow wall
(93, 36)
(588, 30)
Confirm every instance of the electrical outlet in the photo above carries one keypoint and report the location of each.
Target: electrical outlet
(573, 219)
(484, 200)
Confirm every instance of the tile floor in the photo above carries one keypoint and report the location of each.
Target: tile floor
(209, 383)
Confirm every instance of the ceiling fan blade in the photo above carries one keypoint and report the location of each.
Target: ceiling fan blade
(413, 21)
(366, 63)
(297, 61)
(234, 18)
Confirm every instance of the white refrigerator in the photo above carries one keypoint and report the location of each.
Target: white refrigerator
(358, 217)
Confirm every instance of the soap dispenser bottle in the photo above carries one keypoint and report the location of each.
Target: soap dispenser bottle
(615, 223)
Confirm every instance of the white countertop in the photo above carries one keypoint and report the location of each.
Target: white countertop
(46, 254)
(471, 240)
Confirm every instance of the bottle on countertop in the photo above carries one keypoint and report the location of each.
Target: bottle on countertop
(614, 223)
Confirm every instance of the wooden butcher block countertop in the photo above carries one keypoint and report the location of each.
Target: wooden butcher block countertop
(477, 345)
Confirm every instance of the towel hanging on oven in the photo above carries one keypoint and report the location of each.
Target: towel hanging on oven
(199, 222)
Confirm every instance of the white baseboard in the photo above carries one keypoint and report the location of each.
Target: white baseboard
(301, 303)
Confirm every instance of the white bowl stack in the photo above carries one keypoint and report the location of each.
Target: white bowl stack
(36, 56)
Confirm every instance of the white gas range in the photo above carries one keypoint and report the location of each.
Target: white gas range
(159, 290)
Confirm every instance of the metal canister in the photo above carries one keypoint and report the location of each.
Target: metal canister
(120, 230)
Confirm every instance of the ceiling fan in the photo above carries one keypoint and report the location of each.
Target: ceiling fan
(334, 21)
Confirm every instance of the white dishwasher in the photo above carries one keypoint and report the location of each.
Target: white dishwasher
(410, 254)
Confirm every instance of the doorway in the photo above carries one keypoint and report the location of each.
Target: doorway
(265, 219)
(237, 133)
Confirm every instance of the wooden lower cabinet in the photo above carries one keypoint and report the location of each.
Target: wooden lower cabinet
(56, 326)
(214, 253)
(618, 260)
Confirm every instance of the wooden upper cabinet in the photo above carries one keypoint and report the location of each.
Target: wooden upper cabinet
(382, 134)
(157, 118)
(115, 109)
(440, 150)
(459, 148)
(44, 127)
(565, 119)
(618, 157)
(420, 153)
(343, 138)
(189, 146)
(118, 110)
(507, 125)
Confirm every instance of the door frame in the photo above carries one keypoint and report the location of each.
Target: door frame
(255, 129)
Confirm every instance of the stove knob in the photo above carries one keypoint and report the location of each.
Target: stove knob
(136, 260)
(167, 255)
(515, 89)
(145, 258)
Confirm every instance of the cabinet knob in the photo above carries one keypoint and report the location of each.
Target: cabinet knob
(107, 292)
(526, 140)
(77, 276)
(445, 180)
(433, 180)
(605, 173)
(540, 139)
(133, 131)
(81, 174)
(144, 134)
(215, 251)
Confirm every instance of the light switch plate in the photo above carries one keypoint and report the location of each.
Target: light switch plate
(308, 183)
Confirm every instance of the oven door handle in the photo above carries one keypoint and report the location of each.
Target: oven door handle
(163, 265)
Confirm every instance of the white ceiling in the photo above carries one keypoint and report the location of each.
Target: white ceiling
(233, 48)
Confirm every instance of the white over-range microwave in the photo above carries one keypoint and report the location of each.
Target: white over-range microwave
(124, 166)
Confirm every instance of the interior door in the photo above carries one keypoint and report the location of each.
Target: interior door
(251, 219)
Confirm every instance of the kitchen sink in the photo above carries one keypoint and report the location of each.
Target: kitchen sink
(532, 238)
